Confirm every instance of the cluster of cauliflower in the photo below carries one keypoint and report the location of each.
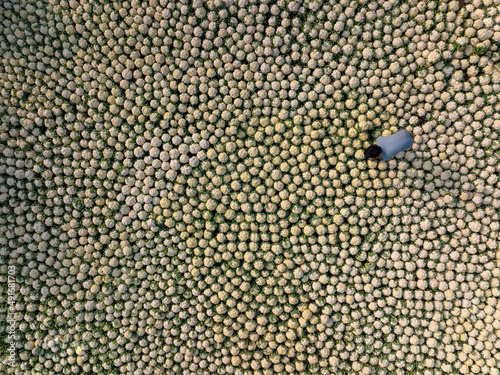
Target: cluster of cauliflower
(183, 188)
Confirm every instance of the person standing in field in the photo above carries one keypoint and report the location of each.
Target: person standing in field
(389, 146)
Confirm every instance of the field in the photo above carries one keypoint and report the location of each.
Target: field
(183, 188)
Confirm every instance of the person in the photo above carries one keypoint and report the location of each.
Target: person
(389, 146)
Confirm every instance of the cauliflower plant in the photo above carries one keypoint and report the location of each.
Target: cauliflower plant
(183, 188)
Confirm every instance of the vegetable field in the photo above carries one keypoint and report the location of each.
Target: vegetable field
(183, 188)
